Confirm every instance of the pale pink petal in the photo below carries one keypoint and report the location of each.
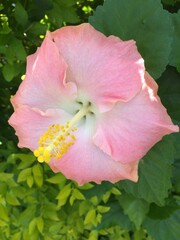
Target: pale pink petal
(105, 69)
(44, 84)
(85, 162)
(30, 124)
(130, 129)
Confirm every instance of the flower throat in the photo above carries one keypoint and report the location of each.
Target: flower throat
(58, 138)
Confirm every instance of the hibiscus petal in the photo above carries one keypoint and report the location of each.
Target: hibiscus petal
(30, 124)
(105, 69)
(85, 162)
(44, 85)
(130, 129)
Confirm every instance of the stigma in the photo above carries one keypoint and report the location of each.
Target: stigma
(57, 140)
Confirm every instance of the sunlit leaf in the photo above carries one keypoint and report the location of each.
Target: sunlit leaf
(11, 199)
(40, 224)
(24, 174)
(64, 194)
(90, 217)
(4, 213)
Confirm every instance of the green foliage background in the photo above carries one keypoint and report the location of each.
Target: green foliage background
(37, 204)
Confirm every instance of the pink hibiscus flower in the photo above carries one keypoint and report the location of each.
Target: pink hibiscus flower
(87, 107)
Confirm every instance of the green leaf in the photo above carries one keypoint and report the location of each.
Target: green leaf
(38, 174)
(1, 7)
(63, 13)
(47, 238)
(99, 190)
(90, 217)
(98, 219)
(86, 186)
(169, 2)
(68, 3)
(19, 191)
(16, 236)
(6, 176)
(115, 217)
(163, 224)
(107, 195)
(71, 200)
(58, 178)
(102, 209)
(3, 224)
(11, 199)
(93, 235)
(8, 72)
(30, 181)
(83, 207)
(34, 235)
(4, 213)
(5, 29)
(32, 226)
(63, 195)
(155, 173)
(24, 174)
(15, 51)
(78, 195)
(135, 208)
(175, 53)
(115, 191)
(20, 14)
(144, 21)
(176, 175)
(94, 200)
(3, 42)
(169, 92)
(26, 159)
(50, 211)
(140, 235)
(37, 28)
(40, 224)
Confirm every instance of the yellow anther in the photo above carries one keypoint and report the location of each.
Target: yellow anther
(73, 137)
(46, 156)
(58, 138)
(55, 144)
(40, 159)
(46, 153)
(36, 153)
(59, 156)
(41, 149)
